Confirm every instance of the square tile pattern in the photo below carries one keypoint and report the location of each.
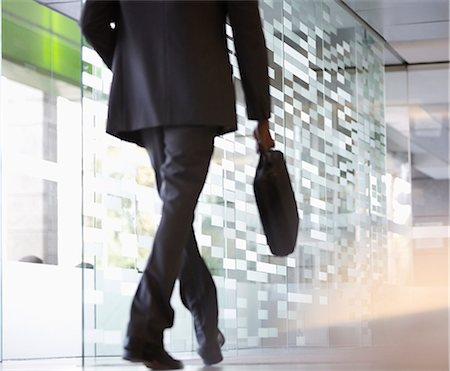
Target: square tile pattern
(327, 88)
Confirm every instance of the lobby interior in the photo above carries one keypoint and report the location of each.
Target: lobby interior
(360, 96)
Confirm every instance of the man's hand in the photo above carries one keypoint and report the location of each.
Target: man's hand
(262, 135)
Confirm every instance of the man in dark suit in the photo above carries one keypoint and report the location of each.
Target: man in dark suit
(172, 93)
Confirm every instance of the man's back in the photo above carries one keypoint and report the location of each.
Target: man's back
(170, 62)
(177, 50)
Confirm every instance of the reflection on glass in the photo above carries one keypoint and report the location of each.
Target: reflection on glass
(417, 181)
(31, 231)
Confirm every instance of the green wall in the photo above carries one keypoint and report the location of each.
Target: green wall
(32, 34)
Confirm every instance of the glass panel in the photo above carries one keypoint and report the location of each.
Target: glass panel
(249, 312)
(41, 175)
(40, 116)
(417, 117)
(327, 94)
(120, 211)
(333, 69)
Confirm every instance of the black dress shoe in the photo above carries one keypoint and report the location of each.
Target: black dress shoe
(156, 360)
(213, 355)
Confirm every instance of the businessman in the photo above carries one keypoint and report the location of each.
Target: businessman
(172, 93)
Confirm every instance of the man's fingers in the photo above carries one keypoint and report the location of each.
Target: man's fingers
(263, 139)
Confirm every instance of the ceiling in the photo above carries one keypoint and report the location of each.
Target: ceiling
(417, 99)
(418, 30)
(71, 8)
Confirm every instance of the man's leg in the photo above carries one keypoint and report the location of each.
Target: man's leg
(198, 293)
(197, 288)
(185, 153)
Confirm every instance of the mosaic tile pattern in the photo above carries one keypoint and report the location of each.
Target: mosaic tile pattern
(327, 94)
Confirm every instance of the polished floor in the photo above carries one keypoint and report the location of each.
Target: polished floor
(271, 360)
(235, 365)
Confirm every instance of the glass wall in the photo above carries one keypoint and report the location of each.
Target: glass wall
(41, 177)
(417, 118)
(327, 84)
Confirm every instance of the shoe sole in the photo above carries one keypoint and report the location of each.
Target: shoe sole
(213, 361)
(154, 365)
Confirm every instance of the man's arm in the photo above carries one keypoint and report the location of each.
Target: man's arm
(95, 23)
(251, 54)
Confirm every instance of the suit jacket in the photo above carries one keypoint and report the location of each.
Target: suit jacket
(170, 62)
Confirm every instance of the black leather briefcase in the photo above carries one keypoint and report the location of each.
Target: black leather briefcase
(276, 203)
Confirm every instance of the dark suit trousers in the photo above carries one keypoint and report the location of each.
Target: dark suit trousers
(180, 157)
